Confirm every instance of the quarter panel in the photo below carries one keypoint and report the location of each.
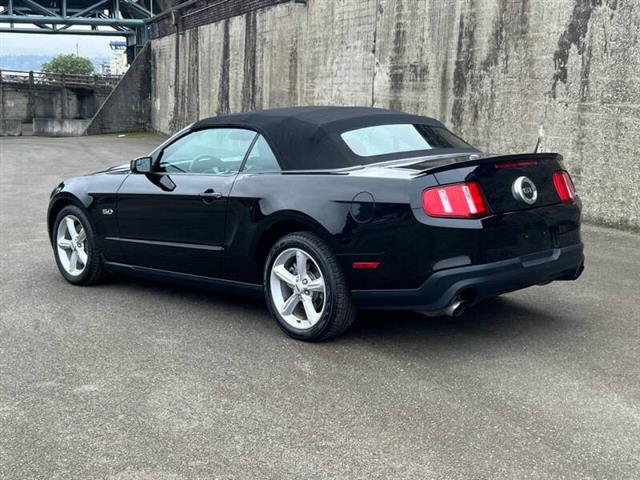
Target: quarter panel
(322, 202)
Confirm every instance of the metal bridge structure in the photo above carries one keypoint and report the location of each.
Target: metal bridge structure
(77, 17)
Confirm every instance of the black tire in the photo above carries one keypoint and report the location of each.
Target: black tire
(93, 272)
(339, 311)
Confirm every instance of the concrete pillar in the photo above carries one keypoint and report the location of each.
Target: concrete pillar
(1, 96)
(65, 103)
(31, 102)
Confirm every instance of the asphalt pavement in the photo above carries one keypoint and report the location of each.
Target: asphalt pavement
(137, 379)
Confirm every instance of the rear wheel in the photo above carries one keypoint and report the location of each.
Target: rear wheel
(305, 289)
(74, 247)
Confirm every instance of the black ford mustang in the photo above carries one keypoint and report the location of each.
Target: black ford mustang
(325, 209)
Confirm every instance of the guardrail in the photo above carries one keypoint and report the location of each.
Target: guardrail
(58, 79)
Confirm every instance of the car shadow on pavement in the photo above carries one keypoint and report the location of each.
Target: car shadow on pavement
(498, 319)
(188, 293)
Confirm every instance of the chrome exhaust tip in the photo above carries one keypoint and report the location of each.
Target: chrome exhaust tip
(457, 308)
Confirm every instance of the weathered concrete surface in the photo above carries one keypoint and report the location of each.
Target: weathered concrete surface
(163, 96)
(498, 72)
(59, 127)
(26, 102)
(135, 380)
(126, 109)
(10, 127)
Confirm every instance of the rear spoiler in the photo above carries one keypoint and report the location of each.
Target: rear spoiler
(428, 167)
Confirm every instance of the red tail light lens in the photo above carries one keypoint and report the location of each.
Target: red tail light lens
(458, 200)
(365, 265)
(522, 163)
(564, 186)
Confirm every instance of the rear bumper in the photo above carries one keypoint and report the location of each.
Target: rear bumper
(479, 281)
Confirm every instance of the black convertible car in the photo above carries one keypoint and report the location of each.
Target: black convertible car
(325, 209)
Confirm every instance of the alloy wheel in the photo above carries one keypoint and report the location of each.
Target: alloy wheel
(298, 288)
(71, 244)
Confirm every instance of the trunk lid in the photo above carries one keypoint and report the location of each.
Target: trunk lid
(497, 176)
(512, 227)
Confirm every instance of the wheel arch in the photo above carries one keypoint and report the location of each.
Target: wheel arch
(282, 224)
(61, 201)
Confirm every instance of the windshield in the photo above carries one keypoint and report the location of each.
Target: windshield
(399, 138)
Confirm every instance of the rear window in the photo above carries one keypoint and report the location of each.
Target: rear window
(398, 138)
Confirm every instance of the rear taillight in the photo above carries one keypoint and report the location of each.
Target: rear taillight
(458, 200)
(564, 186)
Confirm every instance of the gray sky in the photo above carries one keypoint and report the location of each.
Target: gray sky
(37, 44)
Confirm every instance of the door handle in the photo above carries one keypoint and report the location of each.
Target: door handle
(210, 194)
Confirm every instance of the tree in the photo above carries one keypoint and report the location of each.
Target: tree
(68, 64)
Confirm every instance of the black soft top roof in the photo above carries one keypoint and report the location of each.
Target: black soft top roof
(308, 138)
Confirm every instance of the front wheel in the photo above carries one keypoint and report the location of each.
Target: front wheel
(305, 289)
(74, 247)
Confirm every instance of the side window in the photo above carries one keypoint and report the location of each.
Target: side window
(261, 158)
(214, 151)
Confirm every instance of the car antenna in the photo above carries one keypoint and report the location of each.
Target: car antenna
(535, 150)
(540, 137)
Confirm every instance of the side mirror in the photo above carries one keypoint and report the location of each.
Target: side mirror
(141, 165)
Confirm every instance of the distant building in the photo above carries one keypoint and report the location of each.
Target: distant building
(118, 63)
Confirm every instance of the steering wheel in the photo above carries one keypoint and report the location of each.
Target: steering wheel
(205, 162)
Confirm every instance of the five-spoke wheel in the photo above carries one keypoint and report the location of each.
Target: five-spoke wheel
(75, 248)
(305, 288)
(297, 288)
(71, 243)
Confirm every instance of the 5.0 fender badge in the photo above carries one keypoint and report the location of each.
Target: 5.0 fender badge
(107, 211)
(525, 190)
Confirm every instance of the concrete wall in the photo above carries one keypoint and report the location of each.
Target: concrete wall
(14, 103)
(499, 72)
(25, 102)
(126, 109)
(60, 127)
(10, 128)
(163, 97)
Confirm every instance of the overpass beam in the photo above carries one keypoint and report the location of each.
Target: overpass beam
(60, 31)
(85, 11)
(39, 8)
(58, 20)
(89, 9)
